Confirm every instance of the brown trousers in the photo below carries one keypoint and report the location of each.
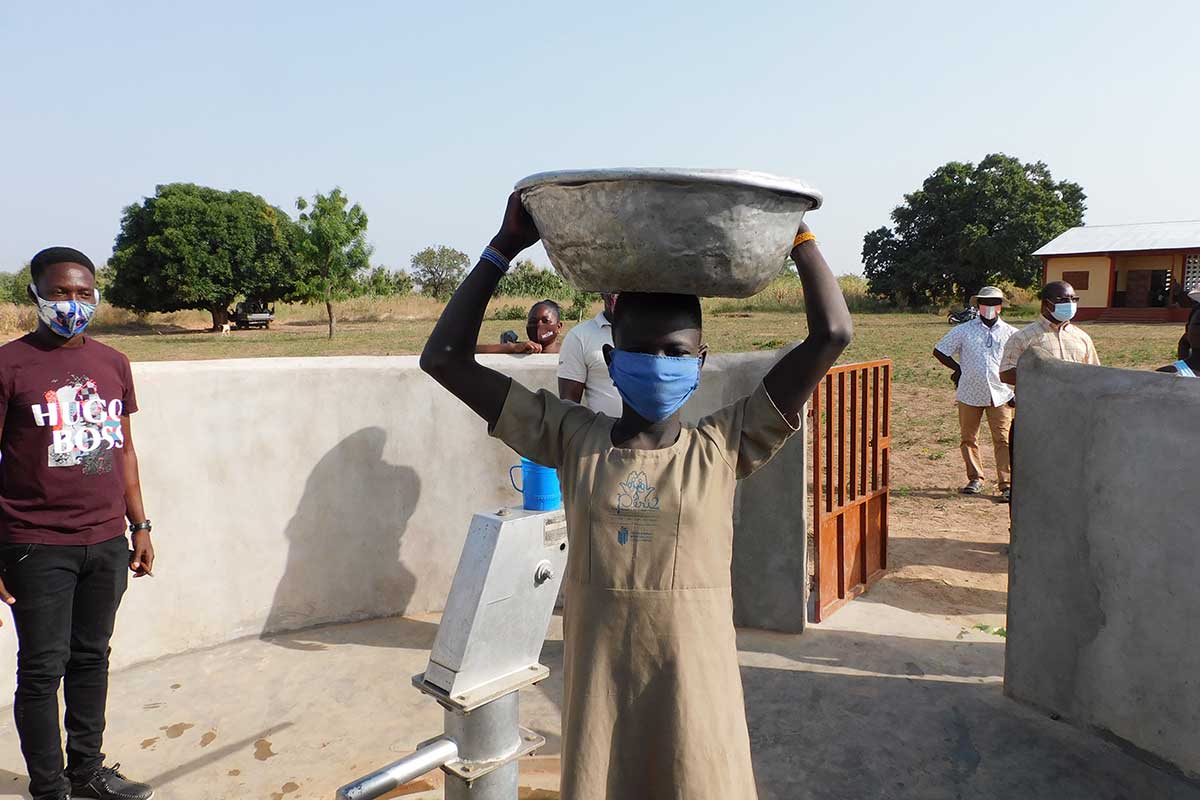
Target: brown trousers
(1000, 422)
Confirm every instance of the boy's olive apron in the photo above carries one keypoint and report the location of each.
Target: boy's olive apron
(653, 705)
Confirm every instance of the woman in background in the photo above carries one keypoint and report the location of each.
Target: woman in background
(542, 326)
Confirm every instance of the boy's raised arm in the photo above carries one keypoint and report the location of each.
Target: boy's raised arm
(791, 382)
(449, 355)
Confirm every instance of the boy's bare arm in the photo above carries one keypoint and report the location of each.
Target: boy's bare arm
(791, 382)
(449, 355)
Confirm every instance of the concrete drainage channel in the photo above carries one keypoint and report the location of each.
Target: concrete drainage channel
(485, 652)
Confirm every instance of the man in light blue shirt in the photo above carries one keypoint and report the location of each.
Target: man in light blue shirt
(978, 345)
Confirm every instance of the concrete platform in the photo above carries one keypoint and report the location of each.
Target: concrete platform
(877, 703)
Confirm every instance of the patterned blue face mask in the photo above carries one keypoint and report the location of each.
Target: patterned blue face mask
(654, 386)
(67, 318)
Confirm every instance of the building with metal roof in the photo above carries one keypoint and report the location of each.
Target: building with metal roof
(1140, 272)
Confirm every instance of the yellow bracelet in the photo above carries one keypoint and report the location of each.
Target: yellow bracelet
(801, 238)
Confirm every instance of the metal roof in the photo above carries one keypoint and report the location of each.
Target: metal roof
(1124, 238)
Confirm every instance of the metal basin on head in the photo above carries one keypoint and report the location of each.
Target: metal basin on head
(714, 233)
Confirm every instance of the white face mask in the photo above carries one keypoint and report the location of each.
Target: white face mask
(989, 312)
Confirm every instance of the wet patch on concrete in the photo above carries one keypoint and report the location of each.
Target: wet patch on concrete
(208, 738)
(177, 730)
(262, 750)
(233, 773)
(148, 743)
(287, 788)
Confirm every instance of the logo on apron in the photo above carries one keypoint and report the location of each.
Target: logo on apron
(637, 494)
(624, 535)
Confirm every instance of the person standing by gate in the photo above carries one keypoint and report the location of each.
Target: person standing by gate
(68, 480)
(978, 345)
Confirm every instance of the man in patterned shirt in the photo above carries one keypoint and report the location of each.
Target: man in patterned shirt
(978, 345)
(1053, 335)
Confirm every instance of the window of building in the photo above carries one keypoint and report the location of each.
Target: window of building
(1078, 280)
(1191, 272)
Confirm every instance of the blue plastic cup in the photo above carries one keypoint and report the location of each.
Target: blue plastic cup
(539, 486)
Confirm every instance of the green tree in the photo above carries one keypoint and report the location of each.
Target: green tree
(439, 270)
(104, 278)
(333, 249)
(190, 246)
(376, 283)
(581, 304)
(526, 279)
(14, 286)
(403, 283)
(382, 282)
(967, 226)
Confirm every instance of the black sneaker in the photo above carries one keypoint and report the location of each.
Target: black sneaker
(109, 784)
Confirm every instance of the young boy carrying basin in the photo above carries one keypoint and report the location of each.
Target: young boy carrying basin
(652, 705)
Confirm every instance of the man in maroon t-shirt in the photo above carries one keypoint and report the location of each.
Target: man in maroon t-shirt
(68, 481)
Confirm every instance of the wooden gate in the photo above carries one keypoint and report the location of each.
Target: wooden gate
(851, 442)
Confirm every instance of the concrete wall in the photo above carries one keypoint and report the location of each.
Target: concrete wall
(288, 493)
(1098, 268)
(1104, 584)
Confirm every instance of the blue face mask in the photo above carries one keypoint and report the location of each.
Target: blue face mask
(1064, 312)
(654, 386)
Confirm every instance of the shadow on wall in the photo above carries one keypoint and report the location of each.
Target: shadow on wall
(343, 558)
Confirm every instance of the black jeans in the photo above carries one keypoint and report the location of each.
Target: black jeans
(66, 604)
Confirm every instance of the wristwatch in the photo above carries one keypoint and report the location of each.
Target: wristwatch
(144, 525)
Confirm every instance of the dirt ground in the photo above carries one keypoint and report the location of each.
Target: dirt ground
(948, 553)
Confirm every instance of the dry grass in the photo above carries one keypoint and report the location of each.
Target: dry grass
(16, 320)
(398, 310)
(400, 325)
(785, 295)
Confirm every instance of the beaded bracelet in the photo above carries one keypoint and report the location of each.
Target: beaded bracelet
(497, 258)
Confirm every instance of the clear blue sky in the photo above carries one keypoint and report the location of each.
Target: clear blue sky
(426, 113)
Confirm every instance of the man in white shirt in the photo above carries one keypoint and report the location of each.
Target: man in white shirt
(582, 372)
(979, 346)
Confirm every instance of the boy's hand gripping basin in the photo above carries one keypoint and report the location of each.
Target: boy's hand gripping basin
(487, 647)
